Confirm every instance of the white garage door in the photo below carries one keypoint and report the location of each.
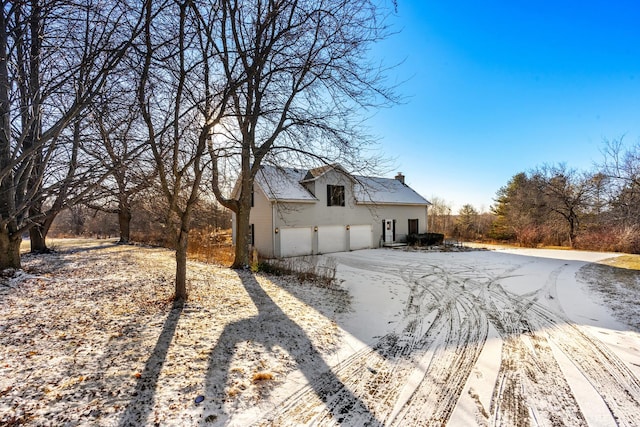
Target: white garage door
(332, 238)
(295, 241)
(360, 237)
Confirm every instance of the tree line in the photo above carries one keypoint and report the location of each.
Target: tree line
(555, 205)
(106, 104)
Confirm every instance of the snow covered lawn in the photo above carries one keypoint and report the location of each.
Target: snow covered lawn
(89, 336)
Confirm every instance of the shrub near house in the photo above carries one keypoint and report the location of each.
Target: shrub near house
(425, 239)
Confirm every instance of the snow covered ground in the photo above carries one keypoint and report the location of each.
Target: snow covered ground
(89, 336)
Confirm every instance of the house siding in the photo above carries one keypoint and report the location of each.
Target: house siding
(402, 214)
(261, 218)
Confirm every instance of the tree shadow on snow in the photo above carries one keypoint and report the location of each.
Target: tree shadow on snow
(274, 330)
(88, 247)
(141, 404)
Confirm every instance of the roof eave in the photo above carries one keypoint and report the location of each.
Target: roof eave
(293, 200)
(392, 203)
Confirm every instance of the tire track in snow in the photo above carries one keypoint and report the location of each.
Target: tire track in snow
(463, 335)
(607, 374)
(416, 376)
(530, 371)
(411, 378)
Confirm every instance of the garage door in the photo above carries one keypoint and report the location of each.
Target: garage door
(360, 237)
(332, 238)
(295, 241)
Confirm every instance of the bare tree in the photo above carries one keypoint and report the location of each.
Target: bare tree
(567, 194)
(64, 183)
(122, 153)
(621, 161)
(301, 78)
(54, 58)
(621, 167)
(181, 101)
(440, 220)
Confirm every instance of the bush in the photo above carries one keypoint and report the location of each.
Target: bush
(532, 236)
(425, 239)
(211, 245)
(611, 239)
(305, 268)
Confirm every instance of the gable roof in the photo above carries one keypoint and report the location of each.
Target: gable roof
(286, 185)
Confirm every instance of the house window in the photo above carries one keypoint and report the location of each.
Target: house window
(335, 195)
(251, 196)
(413, 226)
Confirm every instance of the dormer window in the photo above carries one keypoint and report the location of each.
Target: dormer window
(335, 195)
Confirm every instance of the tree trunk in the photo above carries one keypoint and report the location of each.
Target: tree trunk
(181, 261)
(572, 232)
(9, 250)
(38, 239)
(38, 234)
(124, 221)
(242, 238)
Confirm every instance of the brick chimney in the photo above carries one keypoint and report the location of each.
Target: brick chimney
(400, 177)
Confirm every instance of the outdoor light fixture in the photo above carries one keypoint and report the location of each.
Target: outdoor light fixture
(348, 227)
(277, 230)
(315, 228)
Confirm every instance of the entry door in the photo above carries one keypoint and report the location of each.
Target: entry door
(388, 231)
(413, 226)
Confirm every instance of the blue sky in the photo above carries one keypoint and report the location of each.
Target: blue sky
(494, 88)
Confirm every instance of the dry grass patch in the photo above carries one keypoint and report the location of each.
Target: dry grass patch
(211, 246)
(629, 262)
(262, 376)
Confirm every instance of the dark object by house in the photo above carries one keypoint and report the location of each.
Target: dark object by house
(425, 239)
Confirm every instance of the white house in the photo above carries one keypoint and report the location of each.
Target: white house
(322, 210)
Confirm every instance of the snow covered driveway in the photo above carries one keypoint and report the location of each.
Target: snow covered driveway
(507, 338)
(88, 336)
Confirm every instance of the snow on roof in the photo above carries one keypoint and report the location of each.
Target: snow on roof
(285, 184)
(371, 190)
(315, 173)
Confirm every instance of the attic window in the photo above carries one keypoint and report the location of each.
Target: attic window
(335, 195)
